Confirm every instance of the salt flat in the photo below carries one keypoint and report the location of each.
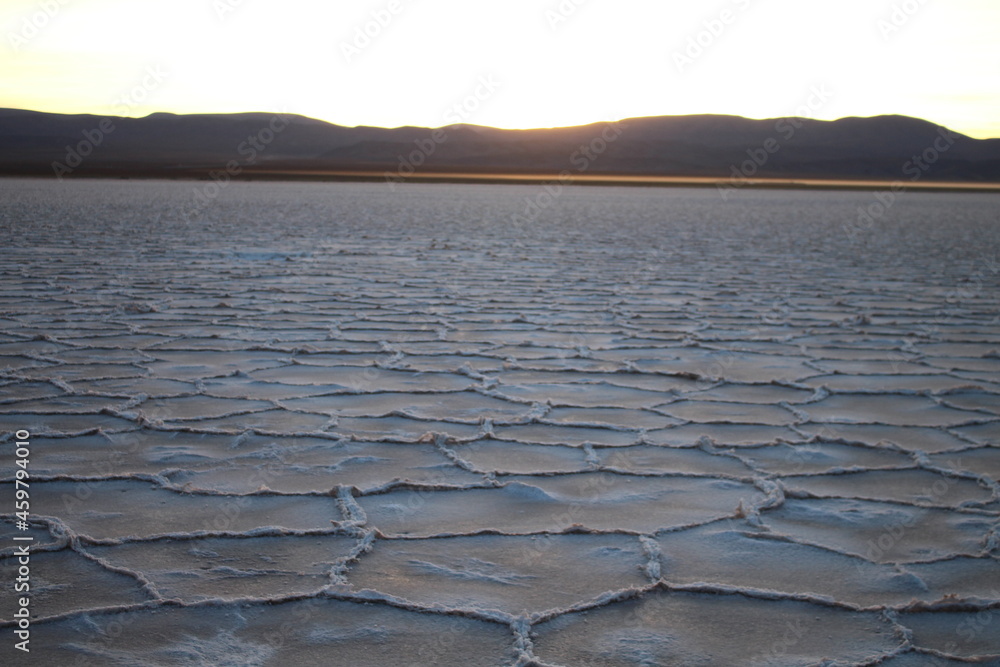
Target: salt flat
(354, 425)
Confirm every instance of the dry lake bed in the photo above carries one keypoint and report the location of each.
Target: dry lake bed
(456, 425)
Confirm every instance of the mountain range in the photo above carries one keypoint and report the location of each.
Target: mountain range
(710, 146)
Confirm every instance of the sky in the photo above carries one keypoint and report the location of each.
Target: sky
(507, 63)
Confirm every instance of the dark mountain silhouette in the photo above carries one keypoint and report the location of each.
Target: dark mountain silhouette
(729, 147)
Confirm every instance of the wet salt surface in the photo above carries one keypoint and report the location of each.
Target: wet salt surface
(343, 425)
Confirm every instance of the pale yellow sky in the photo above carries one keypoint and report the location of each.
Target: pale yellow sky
(507, 63)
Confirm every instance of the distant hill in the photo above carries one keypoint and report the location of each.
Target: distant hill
(882, 147)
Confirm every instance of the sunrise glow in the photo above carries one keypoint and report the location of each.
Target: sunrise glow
(517, 63)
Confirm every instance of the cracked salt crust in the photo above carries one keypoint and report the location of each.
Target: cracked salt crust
(297, 430)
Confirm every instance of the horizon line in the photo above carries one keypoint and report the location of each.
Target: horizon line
(501, 127)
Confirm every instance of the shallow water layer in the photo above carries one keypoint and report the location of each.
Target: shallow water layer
(360, 425)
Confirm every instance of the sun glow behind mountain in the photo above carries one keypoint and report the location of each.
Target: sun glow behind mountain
(517, 63)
